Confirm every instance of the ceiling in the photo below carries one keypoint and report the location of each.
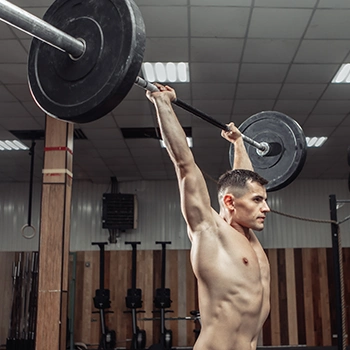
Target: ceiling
(245, 56)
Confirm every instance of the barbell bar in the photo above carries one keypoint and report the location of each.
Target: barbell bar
(93, 58)
(36, 27)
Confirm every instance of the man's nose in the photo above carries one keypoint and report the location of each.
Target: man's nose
(265, 208)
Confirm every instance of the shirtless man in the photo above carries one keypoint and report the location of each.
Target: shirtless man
(231, 267)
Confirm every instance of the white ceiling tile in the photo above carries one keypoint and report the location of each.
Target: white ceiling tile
(161, 2)
(104, 134)
(213, 91)
(5, 134)
(20, 91)
(123, 161)
(13, 109)
(213, 73)
(286, 3)
(322, 51)
(6, 95)
(262, 73)
(221, 2)
(320, 120)
(41, 121)
(345, 122)
(135, 121)
(291, 107)
(216, 142)
(270, 50)
(319, 27)
(337, 92)
(6, 32)
(11, 51)
(13, 73)
(332, 107)
(212, 107)
(250, 107)
(333, 4)
(343, 132)
(278, 23)
(219, 21)
(26, 43)
(203, 131)
(111, 156)
(33, 108)
(171, 21)
(139, 144)
(166, 50)
(311, 73)
(257, 91)
(302, 91)
(19, 123)
(128, 107)
(216, 49)
(318, 131)
(145, 155)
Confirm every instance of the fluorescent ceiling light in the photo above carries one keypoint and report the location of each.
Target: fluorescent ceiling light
(189, 142)
(315, 141)
(13, 145)
(169, 72)
(343, 74)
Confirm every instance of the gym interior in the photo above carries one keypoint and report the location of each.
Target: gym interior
(94, 250)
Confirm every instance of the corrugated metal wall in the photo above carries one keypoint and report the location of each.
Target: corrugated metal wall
(159, 216)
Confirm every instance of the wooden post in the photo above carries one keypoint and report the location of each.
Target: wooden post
(54, 235)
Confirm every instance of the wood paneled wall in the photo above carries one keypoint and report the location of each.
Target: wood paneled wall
(302, 295)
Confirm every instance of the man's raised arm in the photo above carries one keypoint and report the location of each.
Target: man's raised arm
(241, 158)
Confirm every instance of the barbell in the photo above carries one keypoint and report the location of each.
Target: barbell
(86, 55)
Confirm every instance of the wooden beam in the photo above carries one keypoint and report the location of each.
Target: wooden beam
(54, 235)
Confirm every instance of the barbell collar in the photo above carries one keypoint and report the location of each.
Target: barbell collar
(263, 147)
(36, 27)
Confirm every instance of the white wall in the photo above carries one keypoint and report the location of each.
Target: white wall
(160, 218)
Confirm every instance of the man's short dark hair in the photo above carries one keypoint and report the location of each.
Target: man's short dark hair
(238, 178)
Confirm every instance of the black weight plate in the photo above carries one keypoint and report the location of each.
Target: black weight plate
(282, 167)
(88, 88)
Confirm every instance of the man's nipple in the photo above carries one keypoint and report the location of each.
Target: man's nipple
(245, 260)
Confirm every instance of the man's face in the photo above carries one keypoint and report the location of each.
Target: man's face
(251, 208)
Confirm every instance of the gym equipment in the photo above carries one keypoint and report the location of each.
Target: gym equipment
(28, 226)
(22, 325)
(287, 147)
(197, 321)
(102, 302)
(133, 301)
(94, 54)
(162, 301)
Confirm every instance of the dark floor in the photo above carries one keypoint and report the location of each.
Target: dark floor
(286, 347)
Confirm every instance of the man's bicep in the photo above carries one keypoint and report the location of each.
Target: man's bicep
(195, 199)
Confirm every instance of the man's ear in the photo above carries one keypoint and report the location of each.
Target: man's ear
(229, 201)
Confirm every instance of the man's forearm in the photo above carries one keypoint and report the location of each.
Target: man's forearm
(241, 158)
(173, 134)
